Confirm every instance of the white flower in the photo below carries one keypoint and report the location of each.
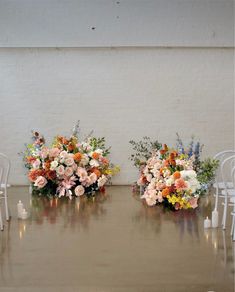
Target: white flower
(151, 200)
(100, 151)
(69, 161)
(149, 177)
(94, 163)
(85, 160)
(79, 190)
(169, 181)
(188, 174)
(54, 164)
(102, 181)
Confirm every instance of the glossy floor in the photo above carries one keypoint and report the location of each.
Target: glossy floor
(112, 244)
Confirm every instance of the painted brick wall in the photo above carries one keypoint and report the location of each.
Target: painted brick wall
(121, 93)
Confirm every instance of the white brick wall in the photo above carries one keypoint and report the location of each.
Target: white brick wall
(121, 93)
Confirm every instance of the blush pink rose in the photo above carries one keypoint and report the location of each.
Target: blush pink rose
(60, 170)
(93, 178)
(68, 171)
(44, 152)
(79, 190)
(69, 161)
(40, 182)
(82, 173)
(54, 152)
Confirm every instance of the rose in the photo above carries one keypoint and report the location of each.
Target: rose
(94, 163)
(85, 159)
(102, 180)
(40, 182)
(54, 152)
(79, 190)
(93, 178)
(68, 171)
(44, 152)
(36, 164)
(54, 164)
(60, 170)
(69, 161)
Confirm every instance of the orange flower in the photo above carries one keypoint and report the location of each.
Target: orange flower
(65, 141)
(30, 159)
(165, 147)
(33, 174)
(165, 192)
(162, 152)
(176, 175)
(96, 171)
(95, 155)
(71, 147)
(51, 174)
(172, 162)
(77, 156)
(47, 165)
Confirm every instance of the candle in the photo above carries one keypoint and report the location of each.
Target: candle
(20, 208)
(215, 219)
(207, 223)
(24, 214)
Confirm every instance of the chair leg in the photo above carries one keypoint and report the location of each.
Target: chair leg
(224, 213)
(1, 223)
(232, 227)
(6, 205)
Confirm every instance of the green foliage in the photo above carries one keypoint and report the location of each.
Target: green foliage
(99, 143)
(143, 150)
(207, 169)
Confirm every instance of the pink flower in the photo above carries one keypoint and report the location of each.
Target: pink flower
(160, 186)
(44, 152)
(93, 178)
(181, 184)
(60, 170)
(40, 182)
(193, 202)
(68, 171)
(79, 190)
(82, 173)
(69, 161)
(54, 152)
(36, 163)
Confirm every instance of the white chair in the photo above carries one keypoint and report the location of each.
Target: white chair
(5, 168)
(228, 193)
(1, 193)
(219, 184)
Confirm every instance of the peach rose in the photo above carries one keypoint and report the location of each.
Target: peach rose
(40, 182)
(79, 190)
(68, 171)
(60, 170)
(54, 152)
(69, 161)
(93, 178)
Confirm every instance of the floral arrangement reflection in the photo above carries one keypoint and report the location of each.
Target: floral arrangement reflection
(72, 213)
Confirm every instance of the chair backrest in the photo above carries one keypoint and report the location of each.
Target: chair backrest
(228, 170)
(221, 156)
(4, 170)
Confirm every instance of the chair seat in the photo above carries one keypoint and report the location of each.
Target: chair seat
(231, 192)
(3, 185)
(221, 185)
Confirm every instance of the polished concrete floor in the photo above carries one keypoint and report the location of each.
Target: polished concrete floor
(114, 243)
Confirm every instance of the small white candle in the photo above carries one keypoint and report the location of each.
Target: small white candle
(24, 214)
(20, 208)
(207, 223)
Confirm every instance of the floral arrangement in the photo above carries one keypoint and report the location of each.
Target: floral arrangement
(173, 177)
(69, 166)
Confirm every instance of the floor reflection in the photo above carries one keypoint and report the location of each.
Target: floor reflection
(73, 213)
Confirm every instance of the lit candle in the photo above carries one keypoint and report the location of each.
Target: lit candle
(207, 223)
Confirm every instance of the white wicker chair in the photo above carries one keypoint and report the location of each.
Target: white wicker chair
(5, 168)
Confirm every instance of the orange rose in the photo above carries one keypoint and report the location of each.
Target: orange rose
(51, 174)
(35, 173)
(162, 152)
(70, 147)
(95, 155)
(165, 192)
(104, 160)
(176, 175)
(77, 156)
(96, 171)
